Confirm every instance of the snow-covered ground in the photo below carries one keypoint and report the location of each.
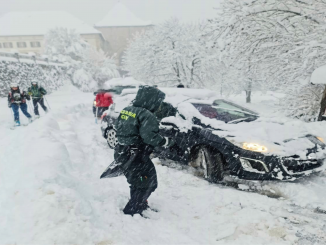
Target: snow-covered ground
(51, 192)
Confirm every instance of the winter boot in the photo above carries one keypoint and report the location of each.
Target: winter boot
(30, 119)
(37, 116)
(147, 207)
(17, 123)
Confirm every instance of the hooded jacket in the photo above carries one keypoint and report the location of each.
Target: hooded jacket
(36, 92)
(17, 97)
(137, 124)
(103, 99)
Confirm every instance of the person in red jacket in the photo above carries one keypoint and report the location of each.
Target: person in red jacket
(103, 101)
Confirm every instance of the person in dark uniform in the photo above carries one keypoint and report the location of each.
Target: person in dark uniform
(138, 134)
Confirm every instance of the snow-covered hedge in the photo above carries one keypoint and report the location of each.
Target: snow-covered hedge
(50, 77)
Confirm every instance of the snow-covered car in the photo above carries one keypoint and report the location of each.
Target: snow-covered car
(219, 138)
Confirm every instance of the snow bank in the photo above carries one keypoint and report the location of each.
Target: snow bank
(319, 75)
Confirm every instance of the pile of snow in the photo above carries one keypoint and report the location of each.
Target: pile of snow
(319, 75)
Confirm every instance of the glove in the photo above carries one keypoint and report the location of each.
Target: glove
(42, 91)
(9, 104)
(169, 142)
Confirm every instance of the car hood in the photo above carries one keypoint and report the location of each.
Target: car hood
(282, 136)
(287, 138)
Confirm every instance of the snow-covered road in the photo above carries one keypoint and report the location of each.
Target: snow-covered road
(51, 193)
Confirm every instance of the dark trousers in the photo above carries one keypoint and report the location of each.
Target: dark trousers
(140, 174)
(35, 104)
(23, 107)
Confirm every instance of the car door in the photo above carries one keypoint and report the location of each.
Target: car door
(170, 130)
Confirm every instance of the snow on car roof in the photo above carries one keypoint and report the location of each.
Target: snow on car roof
(127, 81)
(39, 23)
(173, 95)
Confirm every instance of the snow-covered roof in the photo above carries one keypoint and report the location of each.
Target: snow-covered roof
(319, 75)
(120, 15)
(39, 23)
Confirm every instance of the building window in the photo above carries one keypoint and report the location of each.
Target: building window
(7, 45)
(21, 45)
(35, 44)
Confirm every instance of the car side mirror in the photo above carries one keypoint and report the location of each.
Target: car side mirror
(196, 121)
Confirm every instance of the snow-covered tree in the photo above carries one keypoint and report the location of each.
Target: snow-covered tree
(89, 68)
(279, 42)
(101, 66)
(171, 53)
(64, 44)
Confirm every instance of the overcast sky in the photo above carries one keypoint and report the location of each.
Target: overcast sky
(92, 11)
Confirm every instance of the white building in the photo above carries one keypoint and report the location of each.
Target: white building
(24, 31)
(118, 26)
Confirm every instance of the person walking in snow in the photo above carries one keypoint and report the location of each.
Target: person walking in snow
(103, 101)
(16, 100)
(37, 93)
(138, 134)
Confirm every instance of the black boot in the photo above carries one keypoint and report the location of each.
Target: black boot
(137, 203)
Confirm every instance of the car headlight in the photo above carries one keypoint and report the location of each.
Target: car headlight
(254, 147)
(248, 146)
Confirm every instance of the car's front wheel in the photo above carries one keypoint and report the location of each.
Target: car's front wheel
(112, 138)
(208, 162)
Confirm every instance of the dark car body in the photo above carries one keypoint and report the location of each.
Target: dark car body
(236, 161)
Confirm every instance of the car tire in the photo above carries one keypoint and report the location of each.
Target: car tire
(111, 138)
(209, 162)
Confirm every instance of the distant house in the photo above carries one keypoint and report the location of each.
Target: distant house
(119, 25)
(24, 31)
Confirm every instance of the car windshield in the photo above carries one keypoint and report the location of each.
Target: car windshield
(232, 107)
(228, 113)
